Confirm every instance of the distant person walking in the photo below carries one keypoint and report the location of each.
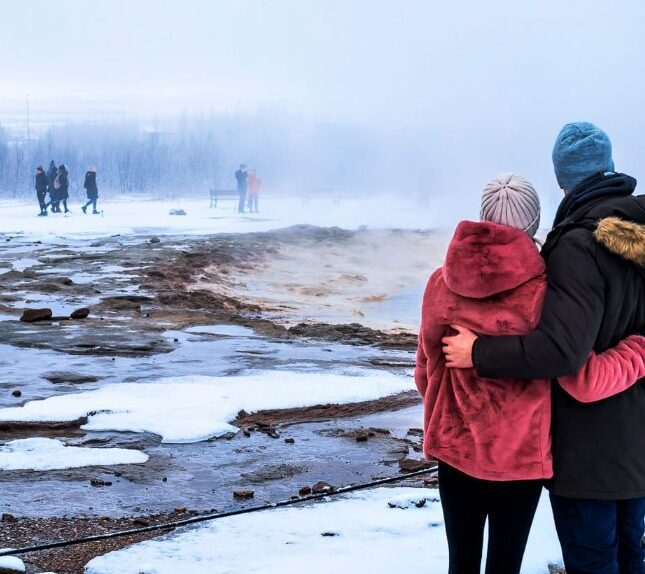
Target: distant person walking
(91, 190)
(52, 172)
(253, 184)
(61, 184)
(41, 189)
(241, 177)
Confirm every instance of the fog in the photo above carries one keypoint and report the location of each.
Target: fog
(411, 97)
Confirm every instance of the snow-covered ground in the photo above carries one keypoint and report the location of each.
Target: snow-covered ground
(144, 216)
(192, 409)
(377, 532)
(40, 453)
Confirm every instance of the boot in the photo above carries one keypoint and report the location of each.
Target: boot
(84, 208)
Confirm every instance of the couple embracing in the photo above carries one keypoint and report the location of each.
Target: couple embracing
(531, 367)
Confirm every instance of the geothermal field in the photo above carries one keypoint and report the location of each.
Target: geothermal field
(225, 361)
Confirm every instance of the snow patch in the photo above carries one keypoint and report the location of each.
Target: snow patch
(196, 408)
(11, 563)
(24, 263)
(50, 454)
(359, 533)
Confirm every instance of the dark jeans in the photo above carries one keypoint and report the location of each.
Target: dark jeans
(240, 207)
(467, 502)
(41, 200)
(91, 202)
(601, 536)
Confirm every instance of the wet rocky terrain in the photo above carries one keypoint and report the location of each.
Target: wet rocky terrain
(147, 298)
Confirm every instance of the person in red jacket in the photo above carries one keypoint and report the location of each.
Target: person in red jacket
(253, 183)
(492, 438)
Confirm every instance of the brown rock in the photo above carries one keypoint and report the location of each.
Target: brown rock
(82, 313)
(98, 483)
(31, 315)
(305, 491)
(431, 482)
(243, 494)
(6, 517)
(322, 487)
(412, 465)
(362, 436)
(17, 393)
(289, 440)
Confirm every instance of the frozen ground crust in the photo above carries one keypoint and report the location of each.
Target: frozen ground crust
(360, 533)
(196, 408)
(49, 454)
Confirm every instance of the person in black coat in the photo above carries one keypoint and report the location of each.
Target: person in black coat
(61, 183)
(595, 258)
(241, 176)
(52, 172)
(41, 189)
(91, 190)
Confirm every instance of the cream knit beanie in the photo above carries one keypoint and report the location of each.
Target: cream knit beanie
(511, 200)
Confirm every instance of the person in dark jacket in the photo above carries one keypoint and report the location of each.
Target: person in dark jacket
(52, 172)
(41, 189)
(241, 177)
(61, 183)
(493, 280)
(91, 190)
(595, 257)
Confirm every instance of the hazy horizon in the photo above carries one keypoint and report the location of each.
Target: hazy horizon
(455, 93)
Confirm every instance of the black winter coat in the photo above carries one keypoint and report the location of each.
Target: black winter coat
(41, 182)
(63, 191)
(90, 185)
(595, 298)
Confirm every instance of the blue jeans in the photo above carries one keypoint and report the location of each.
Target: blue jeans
(601, 536)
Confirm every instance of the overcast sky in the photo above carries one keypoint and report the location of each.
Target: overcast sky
(489, 80)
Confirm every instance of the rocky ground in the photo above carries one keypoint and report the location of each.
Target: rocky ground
(142, 294)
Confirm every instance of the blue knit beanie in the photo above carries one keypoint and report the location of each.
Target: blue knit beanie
(580, 151)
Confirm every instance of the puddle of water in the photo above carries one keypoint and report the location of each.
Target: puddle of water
(403, 308)
(222, 330)
(194, 355)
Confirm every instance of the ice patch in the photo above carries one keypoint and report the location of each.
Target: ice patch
(147, 217)
(196, 408)
(24, 263)
(359, 533)
(50, 454)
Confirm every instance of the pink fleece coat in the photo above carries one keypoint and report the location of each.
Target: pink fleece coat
(494, 283)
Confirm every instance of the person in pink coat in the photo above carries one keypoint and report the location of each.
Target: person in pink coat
(492, 438)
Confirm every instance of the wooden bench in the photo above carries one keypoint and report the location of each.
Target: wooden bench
(216, 194)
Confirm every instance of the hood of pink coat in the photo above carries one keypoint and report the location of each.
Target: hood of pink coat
(485, 259)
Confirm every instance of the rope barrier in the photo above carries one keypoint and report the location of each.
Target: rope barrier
(209, 517)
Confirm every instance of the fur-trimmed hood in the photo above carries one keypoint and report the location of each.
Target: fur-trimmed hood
(624, 238)
(485, 259)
